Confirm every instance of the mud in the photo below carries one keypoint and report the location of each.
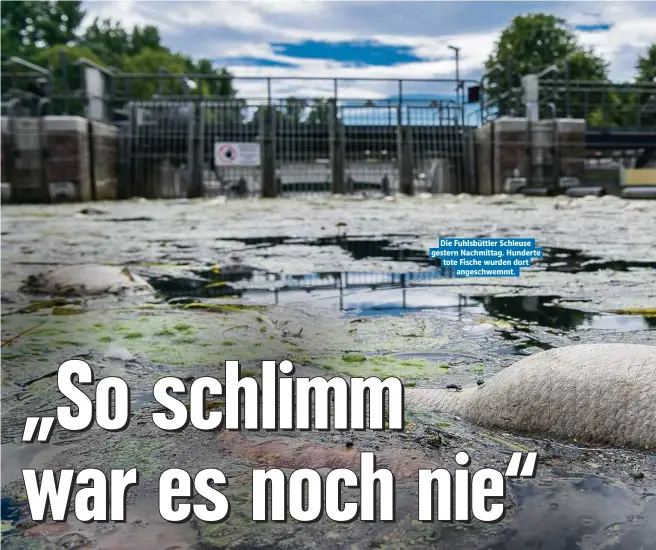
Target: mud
(339, 287)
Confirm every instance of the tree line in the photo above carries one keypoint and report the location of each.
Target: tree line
(538, 42)
(39, 32)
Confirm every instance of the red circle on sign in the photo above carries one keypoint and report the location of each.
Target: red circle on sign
(227, 153)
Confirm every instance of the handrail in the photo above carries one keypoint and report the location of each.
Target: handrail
(93, 64)
(28, 65)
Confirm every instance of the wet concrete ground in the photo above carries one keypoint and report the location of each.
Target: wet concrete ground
(338, 286)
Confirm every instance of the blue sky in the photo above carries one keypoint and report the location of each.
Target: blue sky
(376, 40)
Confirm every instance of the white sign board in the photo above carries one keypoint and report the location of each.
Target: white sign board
(237, 154)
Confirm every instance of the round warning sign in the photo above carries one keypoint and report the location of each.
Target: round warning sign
(227, 154)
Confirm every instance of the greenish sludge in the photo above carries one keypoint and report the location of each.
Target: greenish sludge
(302, 359)
(133, 335)
(67, 311)
(354, 358)
(44, 304)
(223, 308)
(382, 366)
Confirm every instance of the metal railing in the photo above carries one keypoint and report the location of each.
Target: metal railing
(416, 137)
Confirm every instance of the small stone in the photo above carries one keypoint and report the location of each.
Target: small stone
(637, 475)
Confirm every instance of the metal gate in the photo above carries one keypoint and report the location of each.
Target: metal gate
(370, 147)
(156, 149)
(177, 147)
(441, 158)
(231, 159)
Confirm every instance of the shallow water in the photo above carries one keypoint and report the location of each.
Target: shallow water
(338, 278)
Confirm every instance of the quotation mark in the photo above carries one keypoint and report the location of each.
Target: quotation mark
(44, 426)
(528, 469)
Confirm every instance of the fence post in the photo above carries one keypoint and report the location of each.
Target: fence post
(11, 147)
(336, 136)
(196, 185)
(268, 153)
(493, 158)
(44, 153)
(406, 160)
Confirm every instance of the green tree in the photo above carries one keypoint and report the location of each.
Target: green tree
(320, 111)
(646, 81)
(284, 113)
(113, 43)
(144, 37)
(108, 40)
(294, 108)
(531, 44)
(67, 80)
(161, 61)
(646, 66)
(29, 26)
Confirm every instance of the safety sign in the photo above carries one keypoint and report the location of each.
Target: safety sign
(237, 154)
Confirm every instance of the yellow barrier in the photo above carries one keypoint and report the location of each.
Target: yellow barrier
(640, 176)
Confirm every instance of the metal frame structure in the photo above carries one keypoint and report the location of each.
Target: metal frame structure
(402, 144)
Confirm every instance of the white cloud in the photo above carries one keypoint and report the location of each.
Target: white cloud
(235, 29)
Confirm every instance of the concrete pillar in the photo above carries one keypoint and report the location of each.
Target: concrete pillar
(541, 151)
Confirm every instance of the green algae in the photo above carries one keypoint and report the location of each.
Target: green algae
(144, 454)
(354, 358)
(44, 304)
(223, 308)
(301, 359)
(149, 336)
(67, 311)
(384, 366)
(477, 369)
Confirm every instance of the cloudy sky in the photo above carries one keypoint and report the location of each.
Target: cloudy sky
(383, 40)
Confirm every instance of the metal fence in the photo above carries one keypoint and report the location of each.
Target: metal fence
(417, 136)
(173, 147)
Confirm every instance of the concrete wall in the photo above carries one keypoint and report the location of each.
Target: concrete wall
(510, 146)
(52, 154)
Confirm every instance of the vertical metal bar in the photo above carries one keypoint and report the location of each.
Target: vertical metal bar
(568, 112)
(92, 159)
(43, 148)
(399, 137)
(63, 65)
